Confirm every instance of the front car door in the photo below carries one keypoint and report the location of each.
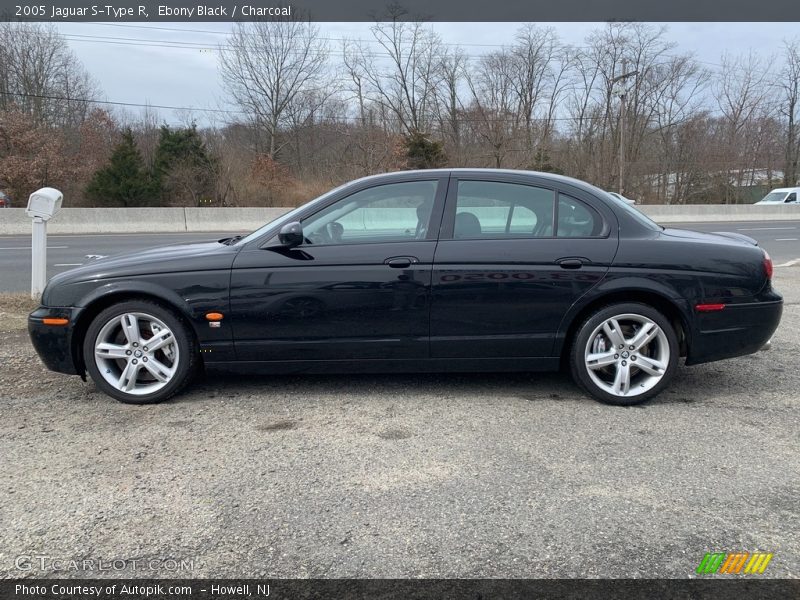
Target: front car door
(358, 288)
(515, 253)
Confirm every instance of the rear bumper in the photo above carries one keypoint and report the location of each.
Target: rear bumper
(737, 330)
(53, 343)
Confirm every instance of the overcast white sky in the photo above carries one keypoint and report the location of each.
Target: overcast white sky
(188, 76)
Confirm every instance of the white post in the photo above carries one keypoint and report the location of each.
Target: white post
(43, 205)
(38, 256)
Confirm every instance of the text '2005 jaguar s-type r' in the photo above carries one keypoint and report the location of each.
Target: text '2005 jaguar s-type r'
(437, 270)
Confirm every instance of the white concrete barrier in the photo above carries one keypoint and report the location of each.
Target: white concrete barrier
(702, 213)
(144, 220)
(98, 220)
(230, 219)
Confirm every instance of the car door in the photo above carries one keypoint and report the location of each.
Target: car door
(357, 288)
(514, 255)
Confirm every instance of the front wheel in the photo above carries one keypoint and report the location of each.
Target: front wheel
(624, 354)
(139, 352)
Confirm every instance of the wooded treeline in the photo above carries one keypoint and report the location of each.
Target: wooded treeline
(306, 112)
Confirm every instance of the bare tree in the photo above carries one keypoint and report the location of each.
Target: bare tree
(535, 79)
(492, 112)
(406, 87)
(42, 77)
(742, 91)
(270, 68)
(448, 102)
(790, 109)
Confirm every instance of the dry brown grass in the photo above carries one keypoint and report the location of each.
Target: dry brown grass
(14, 309)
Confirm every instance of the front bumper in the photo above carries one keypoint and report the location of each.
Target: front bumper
(53, 343)
(737, 330)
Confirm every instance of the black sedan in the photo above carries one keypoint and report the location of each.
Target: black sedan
(440, 270)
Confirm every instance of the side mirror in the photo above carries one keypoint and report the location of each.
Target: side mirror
(291, 235)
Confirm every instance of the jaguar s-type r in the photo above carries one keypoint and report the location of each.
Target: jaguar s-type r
(437, 270)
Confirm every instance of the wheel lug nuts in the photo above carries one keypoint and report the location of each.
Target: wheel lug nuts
(145, 348)
(144, 359)
(633, 358)
(615, 356)
(621, 346)
(135, 361)
(631, 347)
(135, 344)
(624, 363)
(128, 352)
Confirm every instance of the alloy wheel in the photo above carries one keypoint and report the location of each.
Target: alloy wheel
(627, 355)
(136, 353)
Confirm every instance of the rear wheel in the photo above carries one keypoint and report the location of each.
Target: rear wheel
(624, 354)
(139, 352)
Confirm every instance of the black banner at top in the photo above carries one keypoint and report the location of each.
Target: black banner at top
(371, 10)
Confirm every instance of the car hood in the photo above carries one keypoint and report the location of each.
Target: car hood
(713, 237)
(161, 259)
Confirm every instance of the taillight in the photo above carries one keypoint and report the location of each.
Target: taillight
(767, 265)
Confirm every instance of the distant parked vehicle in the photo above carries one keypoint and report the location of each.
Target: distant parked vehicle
(623, 198)
(5, 200)
(781, 196)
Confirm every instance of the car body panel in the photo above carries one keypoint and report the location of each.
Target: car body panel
(331, 302)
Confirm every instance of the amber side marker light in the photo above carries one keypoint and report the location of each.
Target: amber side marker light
(55, 321)
(214, 316)
(709, 307)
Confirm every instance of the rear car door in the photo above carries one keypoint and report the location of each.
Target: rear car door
(358, 288)
(514, 254)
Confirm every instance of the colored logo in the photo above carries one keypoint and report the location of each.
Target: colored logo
(734, 563)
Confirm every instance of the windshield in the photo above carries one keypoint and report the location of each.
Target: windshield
(635, 213)
(774, 197)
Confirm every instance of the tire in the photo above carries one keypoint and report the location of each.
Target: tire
(600, 370)
(118, 337)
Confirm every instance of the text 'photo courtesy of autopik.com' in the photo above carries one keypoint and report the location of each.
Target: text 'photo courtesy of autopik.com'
(399, 299)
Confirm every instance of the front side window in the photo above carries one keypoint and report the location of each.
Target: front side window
(386, 213)
(492, 209)
(791, 197)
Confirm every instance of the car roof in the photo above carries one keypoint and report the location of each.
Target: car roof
(483, 172)
(790, 189)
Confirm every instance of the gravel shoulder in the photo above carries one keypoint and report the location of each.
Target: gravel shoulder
(507, 475)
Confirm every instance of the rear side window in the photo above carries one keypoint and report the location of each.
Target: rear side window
(492, 209)
(576, 219)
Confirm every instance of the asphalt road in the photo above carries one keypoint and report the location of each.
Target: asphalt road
(780, 238)
(65, 252)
